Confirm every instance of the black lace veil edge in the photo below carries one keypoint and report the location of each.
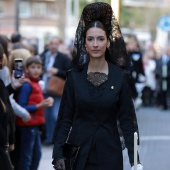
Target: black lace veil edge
(116, 54)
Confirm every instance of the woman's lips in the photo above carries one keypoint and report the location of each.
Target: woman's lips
(95, 51)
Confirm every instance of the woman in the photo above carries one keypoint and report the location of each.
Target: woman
(4, 43)
(137, 70)
(19, 111)
(6, 119)
(5, 76)
(96, 95)
(149, 62)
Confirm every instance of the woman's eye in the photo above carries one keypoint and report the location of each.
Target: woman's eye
(101, 39)
(89, 39)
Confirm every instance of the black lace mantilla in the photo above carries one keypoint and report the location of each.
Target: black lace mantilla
(96, 78)
(102, 12)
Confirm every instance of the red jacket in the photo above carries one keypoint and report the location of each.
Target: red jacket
(35, 97)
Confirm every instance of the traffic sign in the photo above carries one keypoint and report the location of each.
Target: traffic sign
(164, 23)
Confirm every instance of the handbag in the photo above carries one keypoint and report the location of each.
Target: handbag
(70, 153)
(55, 86)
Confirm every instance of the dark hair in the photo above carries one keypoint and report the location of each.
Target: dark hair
(100, 14)
(96, 24)
(16, 37)
(4, 43)
(32, 60)
(1, 51)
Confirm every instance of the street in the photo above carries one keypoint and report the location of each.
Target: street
(154, 149)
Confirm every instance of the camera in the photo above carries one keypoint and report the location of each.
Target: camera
(18, 66)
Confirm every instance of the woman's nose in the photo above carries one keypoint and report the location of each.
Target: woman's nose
(95, 44)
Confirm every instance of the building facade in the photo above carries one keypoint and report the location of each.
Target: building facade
(36, 19)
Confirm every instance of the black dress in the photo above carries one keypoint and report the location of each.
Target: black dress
(96, 86)
(92, 112)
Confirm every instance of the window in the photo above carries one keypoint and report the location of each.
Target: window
(2, 7)
(39, 9)
(24, 9)
(52, 10)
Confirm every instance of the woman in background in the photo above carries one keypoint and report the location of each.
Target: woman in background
(6, 118)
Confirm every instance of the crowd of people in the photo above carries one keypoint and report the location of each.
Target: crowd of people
(33, 110)
(106, 75)
(150, 73)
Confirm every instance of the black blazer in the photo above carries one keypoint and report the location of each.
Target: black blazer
(92, 112)
(158, 71)
(6, 118)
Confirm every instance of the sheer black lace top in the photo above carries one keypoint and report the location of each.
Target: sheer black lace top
(97, 78)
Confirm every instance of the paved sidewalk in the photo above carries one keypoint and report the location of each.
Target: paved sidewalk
(154, 127)
(45, 163)
(154, 149)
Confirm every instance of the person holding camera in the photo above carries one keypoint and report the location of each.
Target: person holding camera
(7, 121)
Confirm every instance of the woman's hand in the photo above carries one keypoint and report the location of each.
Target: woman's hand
(11, 147)
(26, 119)
(16, 83)
(59, 164)
(139, 167)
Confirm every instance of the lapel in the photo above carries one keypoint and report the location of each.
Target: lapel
(115, 79)
(56, 61)
(47, 58)
(48, 54)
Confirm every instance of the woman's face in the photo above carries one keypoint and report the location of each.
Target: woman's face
(132, 45)
(96, 42)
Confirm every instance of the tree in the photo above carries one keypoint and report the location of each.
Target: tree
(145, 17)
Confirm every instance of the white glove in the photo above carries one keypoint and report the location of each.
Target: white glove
(139, 167)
